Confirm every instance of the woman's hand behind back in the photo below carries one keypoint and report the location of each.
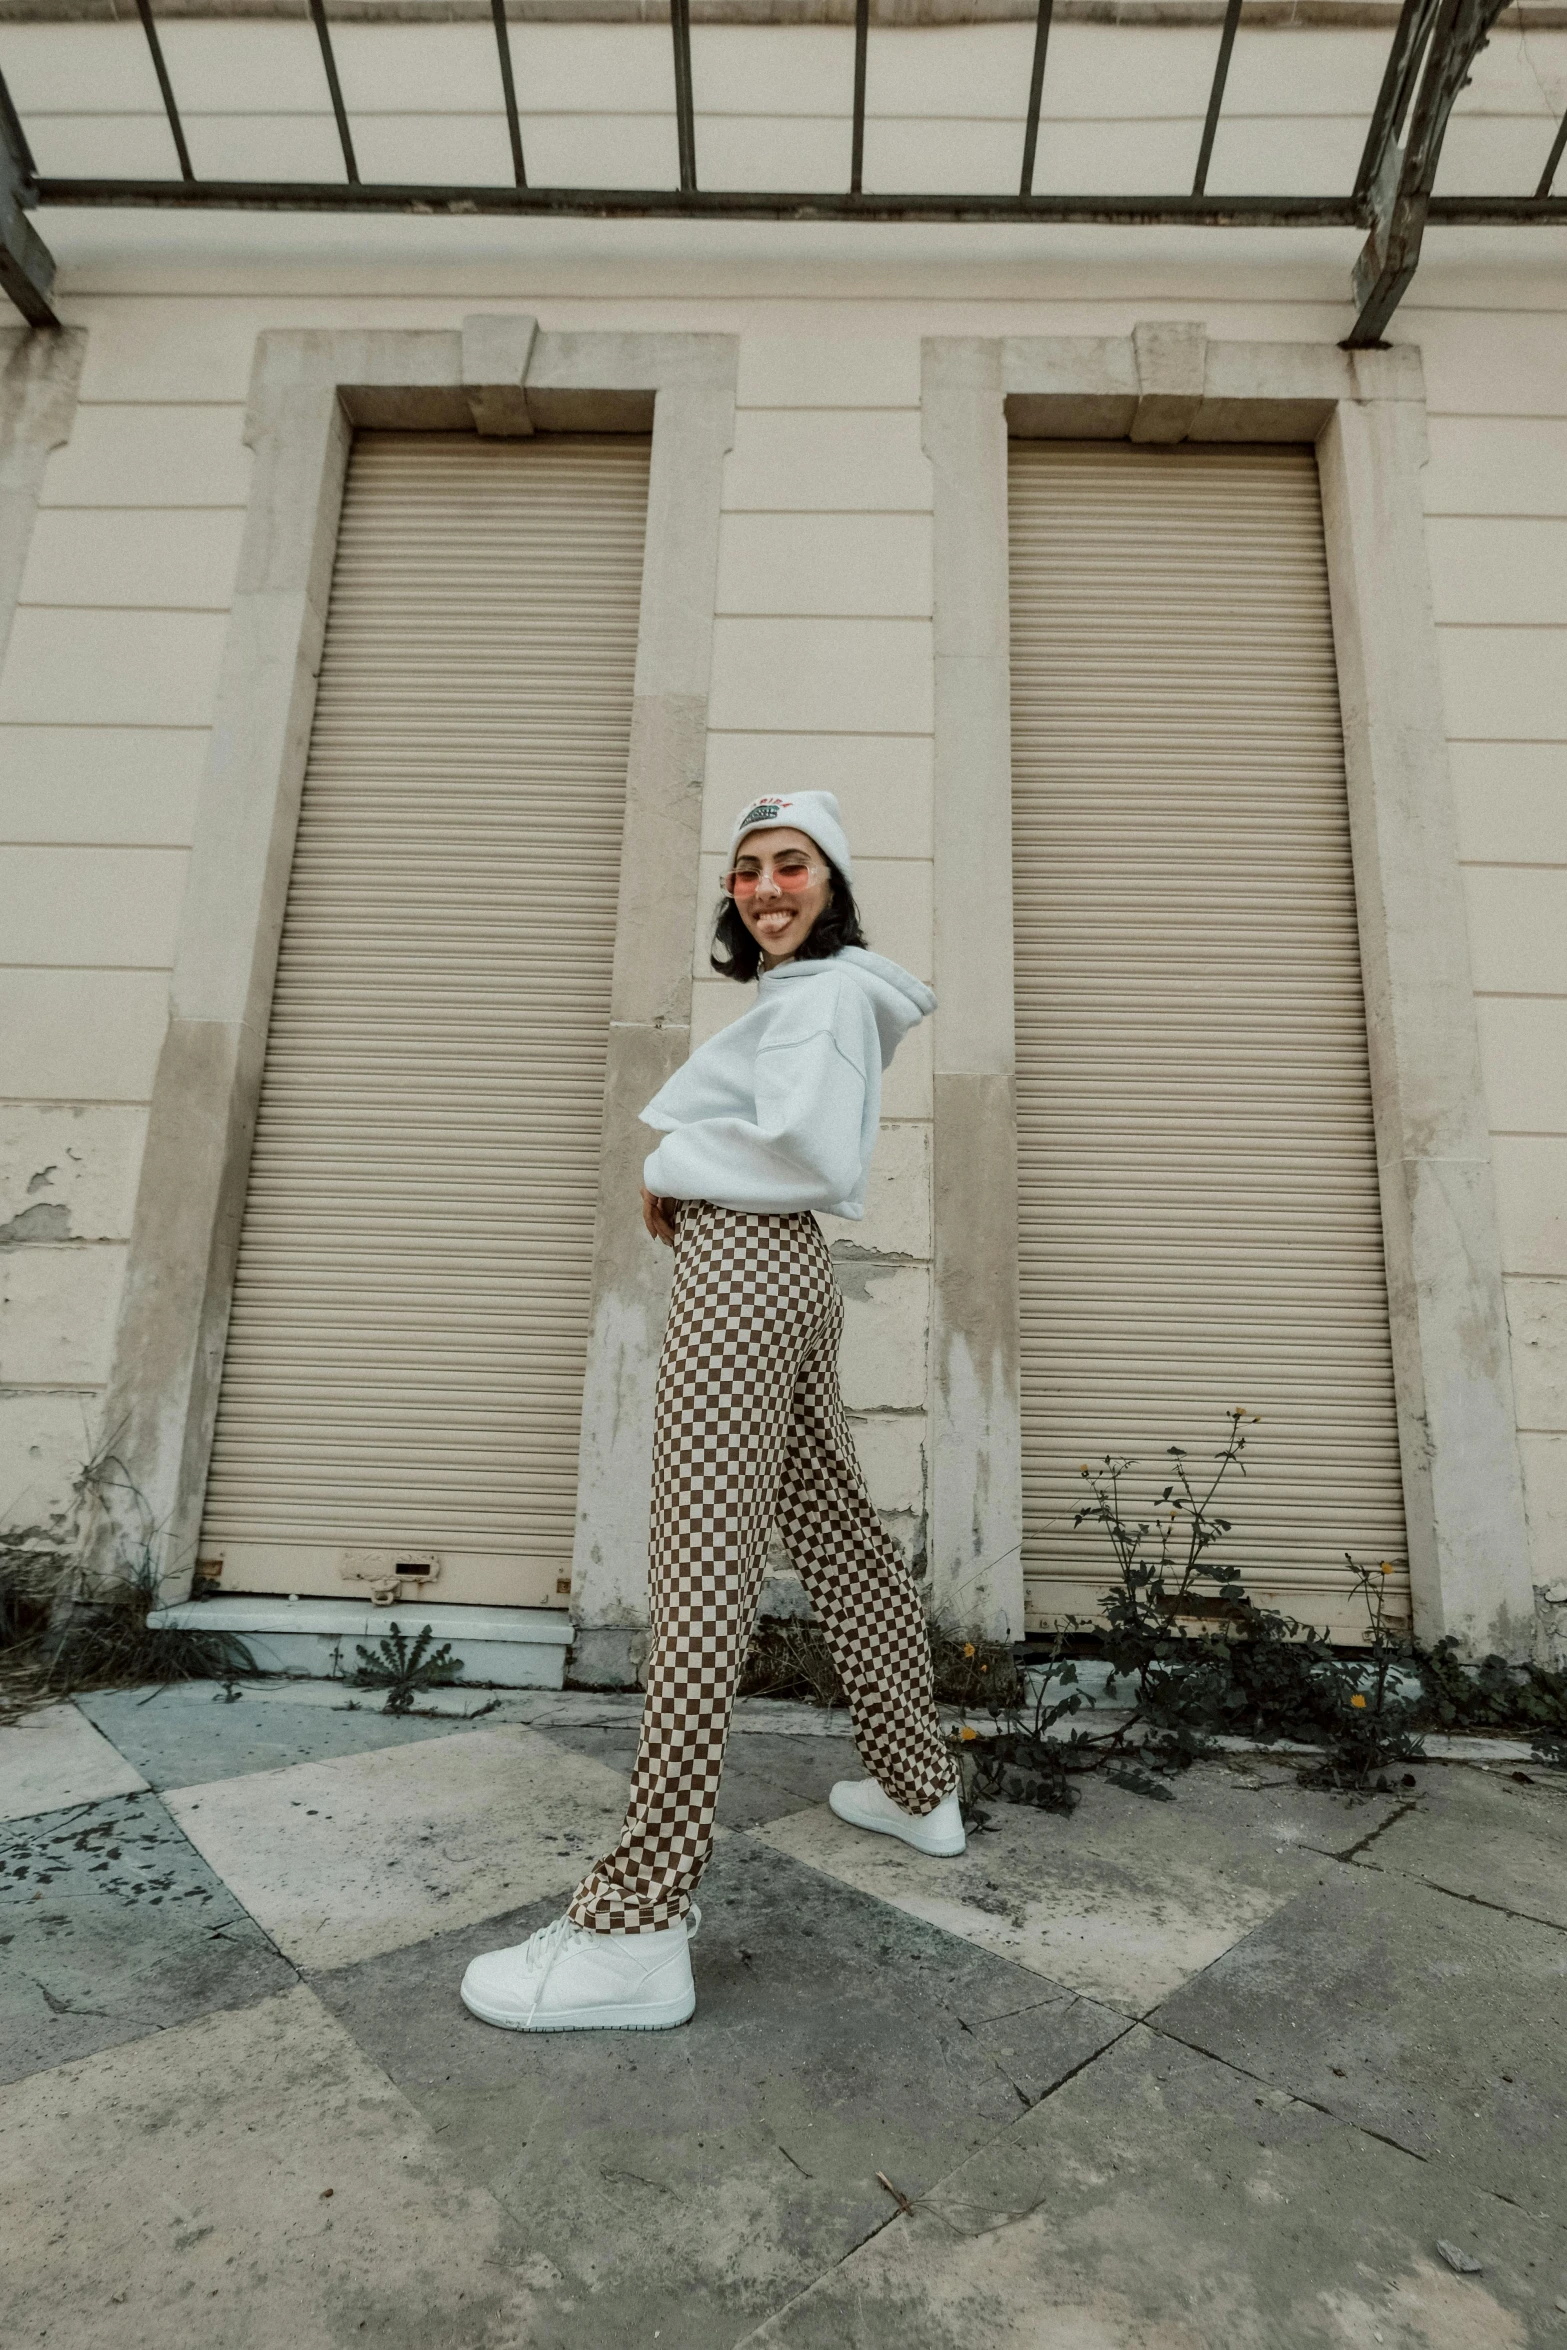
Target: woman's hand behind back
(659, 1217)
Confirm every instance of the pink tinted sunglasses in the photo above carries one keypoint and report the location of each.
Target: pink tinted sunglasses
(791, 872)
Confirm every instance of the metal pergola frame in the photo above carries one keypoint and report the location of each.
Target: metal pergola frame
(1434, 46)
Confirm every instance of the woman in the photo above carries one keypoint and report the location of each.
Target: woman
(774, 1118)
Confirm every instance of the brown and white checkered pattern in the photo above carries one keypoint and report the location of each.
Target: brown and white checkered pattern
(750, 1433)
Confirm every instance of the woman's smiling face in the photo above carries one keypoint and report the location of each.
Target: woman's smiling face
(780, 919)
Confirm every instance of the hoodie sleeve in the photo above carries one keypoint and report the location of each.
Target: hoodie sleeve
(805, 1148)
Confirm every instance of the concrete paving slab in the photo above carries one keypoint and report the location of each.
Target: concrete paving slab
(245, 2182)
(1254, 1802)
(1125, 1899)
(340, 1859)
(193, 1732)
(111, 1926)
(764, 1777)
(536, 1708)
(1159, 2201)
(1469, 1749)
(689, 2182)
(340, 1696)
(1437, 2023)
(1487, 1835)
(54, 1757)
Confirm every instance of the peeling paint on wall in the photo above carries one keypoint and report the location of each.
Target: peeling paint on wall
(47, 1221)
(855, 1268)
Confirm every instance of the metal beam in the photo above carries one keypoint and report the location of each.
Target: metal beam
(334, 86)
(717, 204)
(26, 263)
(1036, 89)
(1400, 179)
(1221, 74)
(685, 107)
(13, 137)
(1553, 159)
(509, 91)
(1493, 211)
(1398, 83)
(738, 204)
(176, 127)
(862, 35)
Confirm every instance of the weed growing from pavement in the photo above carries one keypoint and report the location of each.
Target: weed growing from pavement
(106, 1641)
(405, 1668)
(1526, 1701)
(61, 1631)
(789, 1658)
(1193, 1658)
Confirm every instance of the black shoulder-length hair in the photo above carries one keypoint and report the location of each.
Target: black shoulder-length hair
(736, 954)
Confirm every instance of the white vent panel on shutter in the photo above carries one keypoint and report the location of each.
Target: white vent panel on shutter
(405, 1357)
(1200, 1224)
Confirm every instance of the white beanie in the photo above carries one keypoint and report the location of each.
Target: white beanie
(814, 813)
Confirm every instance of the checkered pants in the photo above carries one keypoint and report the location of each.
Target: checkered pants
(750, 1433)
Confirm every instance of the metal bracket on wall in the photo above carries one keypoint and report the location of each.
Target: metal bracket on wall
(26, 263)
(1436, 43)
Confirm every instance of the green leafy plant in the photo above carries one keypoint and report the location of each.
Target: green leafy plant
(1528, 1699)
(789, 1658)
(975, 1672)
(1372, 1717)
(1194, 1657)
(406, 1669)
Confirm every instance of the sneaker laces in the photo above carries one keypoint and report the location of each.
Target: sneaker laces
(541, 1950)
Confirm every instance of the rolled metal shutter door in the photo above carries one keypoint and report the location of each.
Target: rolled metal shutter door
(1200, 1224)
(406, 1350)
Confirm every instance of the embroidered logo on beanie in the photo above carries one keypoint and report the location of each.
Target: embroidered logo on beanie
(763, 812)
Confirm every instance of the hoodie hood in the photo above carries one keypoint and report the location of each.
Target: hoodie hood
(898, 1000)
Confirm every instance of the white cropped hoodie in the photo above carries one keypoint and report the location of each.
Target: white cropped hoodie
(779, 1111)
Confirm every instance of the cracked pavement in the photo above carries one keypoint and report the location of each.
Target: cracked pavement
(1156, 2077)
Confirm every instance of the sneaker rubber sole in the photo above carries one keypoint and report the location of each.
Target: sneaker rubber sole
(661, 2015)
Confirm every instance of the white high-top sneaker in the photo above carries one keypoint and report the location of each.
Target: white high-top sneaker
(566, 1979)
(864, 1805)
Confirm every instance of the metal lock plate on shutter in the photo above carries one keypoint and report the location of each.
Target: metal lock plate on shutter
(388, 1571)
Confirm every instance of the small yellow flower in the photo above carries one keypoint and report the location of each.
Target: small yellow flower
(984, 1668)
(968, 1647)
(1083, 1471)
(1387, 1568)
(1357, 1699)
(966, 1734)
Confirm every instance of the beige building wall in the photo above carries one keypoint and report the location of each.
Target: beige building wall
(1496, 508)
(822, 681)
(823, 661)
